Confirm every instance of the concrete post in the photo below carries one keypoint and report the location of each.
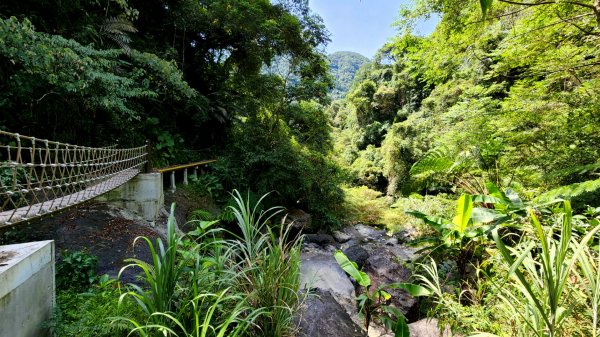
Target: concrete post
(196, 172)
(185, 180)
(172, 189)
(26, 288)
(143, 195)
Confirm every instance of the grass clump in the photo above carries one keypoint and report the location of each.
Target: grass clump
(206, 284)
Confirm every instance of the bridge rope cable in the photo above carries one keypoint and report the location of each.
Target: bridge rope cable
(38, 176)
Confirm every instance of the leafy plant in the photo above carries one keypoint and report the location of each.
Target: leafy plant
(76, 270)
(204, 285)
(204, 310)
(569, 191)
(372, 304)
(461, 235)
(589, 264)
(87, 314)
(208, 184)
(271, 260)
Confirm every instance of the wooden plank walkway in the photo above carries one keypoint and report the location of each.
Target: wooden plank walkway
(25, 213)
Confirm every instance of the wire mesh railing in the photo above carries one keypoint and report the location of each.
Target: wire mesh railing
(39, 176)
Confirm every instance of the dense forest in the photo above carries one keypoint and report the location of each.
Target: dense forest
(481, 140)
(185, 75)
(487, 132)
(343, 66)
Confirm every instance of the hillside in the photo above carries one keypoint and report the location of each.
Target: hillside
(344, 65)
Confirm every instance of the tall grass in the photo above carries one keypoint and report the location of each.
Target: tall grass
(540, 271)
(271, 264)
(547, 284)
(160, 277)
(204, 285)
(589, 263)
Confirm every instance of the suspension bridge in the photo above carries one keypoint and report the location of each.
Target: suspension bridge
(38, 176)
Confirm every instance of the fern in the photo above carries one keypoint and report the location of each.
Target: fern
(569, 191)
(579, 170)
(435, 161)
(116, 29)
(200, 215)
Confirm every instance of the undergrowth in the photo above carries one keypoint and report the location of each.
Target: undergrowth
(367, 206)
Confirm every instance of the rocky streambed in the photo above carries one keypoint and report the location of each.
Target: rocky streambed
(332, 310)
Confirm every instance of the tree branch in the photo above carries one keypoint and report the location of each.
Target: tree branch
(570, 21)
(547, 3)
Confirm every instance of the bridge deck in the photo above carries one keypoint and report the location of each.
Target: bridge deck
(12, 216)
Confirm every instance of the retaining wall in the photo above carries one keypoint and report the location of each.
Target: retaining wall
(142, 195)
(26, 288)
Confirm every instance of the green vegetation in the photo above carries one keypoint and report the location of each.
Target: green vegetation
(191, 77)
(497, 115)
(344, 65)
(206, 285)
(76, 270)
(503, 100)
(481, 139)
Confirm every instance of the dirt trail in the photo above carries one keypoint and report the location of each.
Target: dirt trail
(94, 227)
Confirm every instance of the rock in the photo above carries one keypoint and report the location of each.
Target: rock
(341, 237)
(405, 235)
(320, 239)
(323, 316)
(368, 233)
(309, 247)
(330, 249)
(427, 328)
(298, 218)
(320, 270)
(357, 254)
(391, 241)
(384, 267)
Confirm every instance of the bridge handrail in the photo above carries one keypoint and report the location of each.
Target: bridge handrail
(184, 166)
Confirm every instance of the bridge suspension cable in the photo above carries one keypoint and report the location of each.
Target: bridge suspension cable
(39, 176)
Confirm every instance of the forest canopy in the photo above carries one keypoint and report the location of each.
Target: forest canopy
(510, 97)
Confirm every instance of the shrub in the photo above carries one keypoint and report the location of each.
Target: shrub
(88, 314)
(76, 270)
(364, 205)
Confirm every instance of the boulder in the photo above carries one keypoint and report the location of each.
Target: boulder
(320, 239)
(320, 270)
(357, 254)
(298, 218)
(341, 237)
(384, 267)
(368, 233)
(427, 327)
(323, 316)
(406, 235)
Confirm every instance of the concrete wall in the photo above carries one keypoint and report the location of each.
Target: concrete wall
(142, 195)
(26, 288)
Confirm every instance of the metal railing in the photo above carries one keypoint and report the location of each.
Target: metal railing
(39, 176)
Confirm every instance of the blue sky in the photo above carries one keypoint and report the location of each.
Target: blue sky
(361, 26)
